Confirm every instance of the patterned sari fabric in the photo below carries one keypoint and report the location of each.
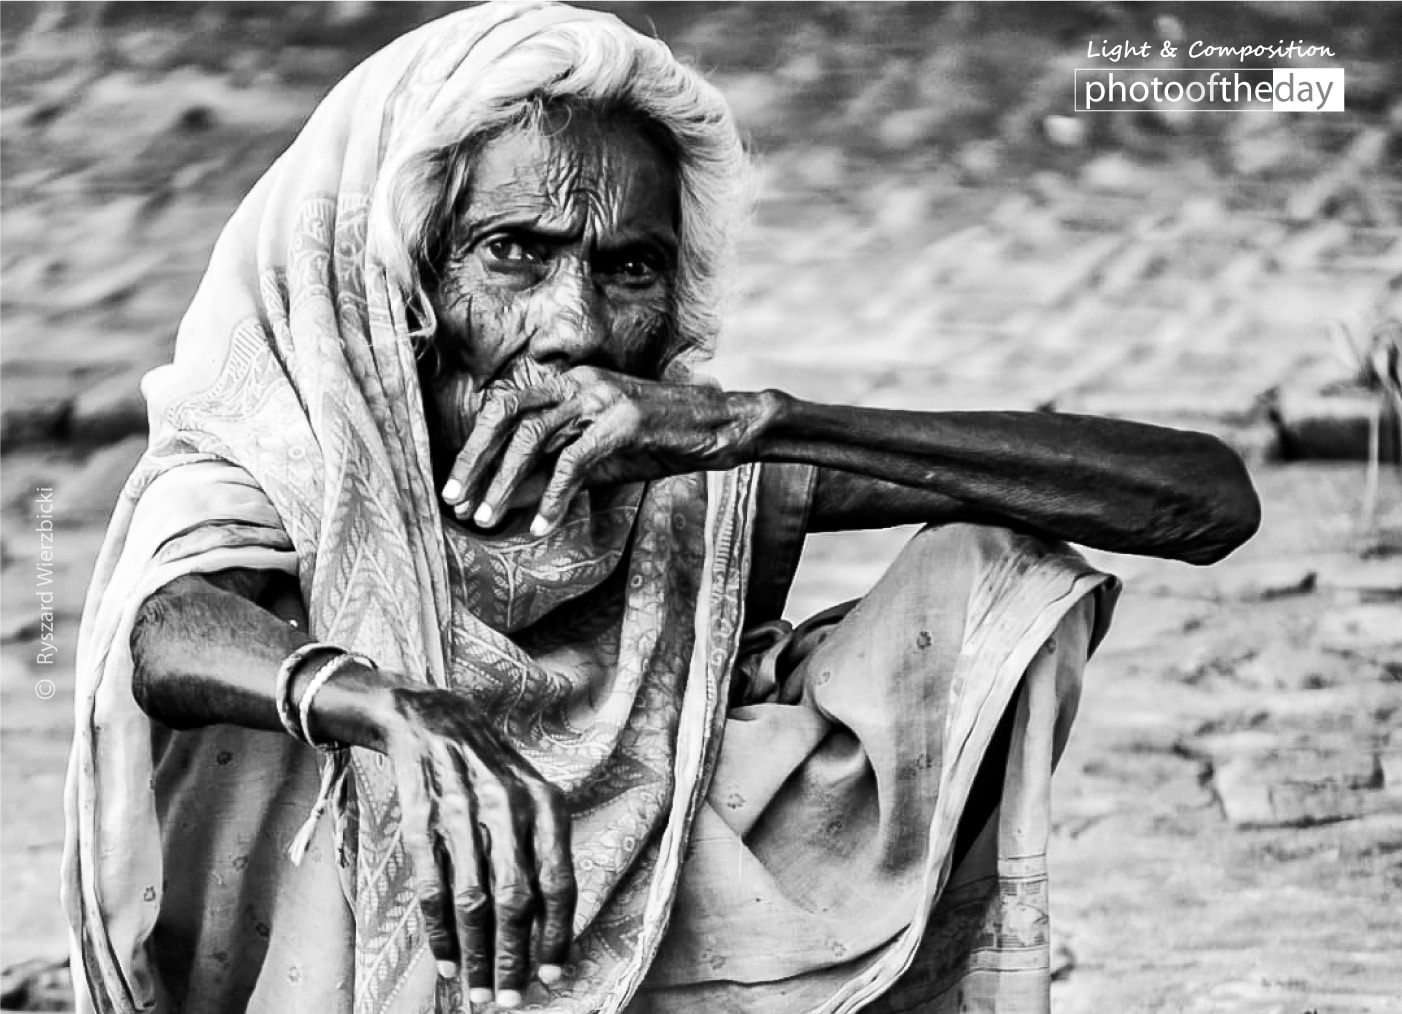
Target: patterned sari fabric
(287, 435)
(786, 857)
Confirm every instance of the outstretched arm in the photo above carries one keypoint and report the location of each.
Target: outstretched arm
(1121, 486)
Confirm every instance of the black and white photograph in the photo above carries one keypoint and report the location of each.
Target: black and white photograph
(700, 508)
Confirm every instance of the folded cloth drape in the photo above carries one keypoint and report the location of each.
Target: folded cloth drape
(841, 860)
(287, 434)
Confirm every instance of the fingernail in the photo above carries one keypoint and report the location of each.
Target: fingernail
(480, 995)
(508, 998)
(483, 516)
(452, 489)
(447, 969)
(539, 526)
(550, 974)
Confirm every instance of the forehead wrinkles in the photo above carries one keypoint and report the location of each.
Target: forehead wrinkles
(576, 179)
(583, 182)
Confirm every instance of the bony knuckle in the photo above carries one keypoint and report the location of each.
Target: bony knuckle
(478, 954)
(493, 798)
(574, 454)
(514, 897)
(471, 900)
(557, 883)
(595, 400)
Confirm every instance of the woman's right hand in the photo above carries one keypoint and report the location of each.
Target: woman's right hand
(488, 836)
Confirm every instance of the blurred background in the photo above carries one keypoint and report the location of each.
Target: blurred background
(937, 228)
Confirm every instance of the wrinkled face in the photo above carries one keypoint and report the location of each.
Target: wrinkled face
(563, 255)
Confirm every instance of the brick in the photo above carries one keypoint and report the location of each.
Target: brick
(1300, 787)
(1244, 799)
(1335, 426)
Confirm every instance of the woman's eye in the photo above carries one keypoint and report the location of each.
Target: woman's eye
(510, 251)
(638, 272)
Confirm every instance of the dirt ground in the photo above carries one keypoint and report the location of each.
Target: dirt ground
(933, 234)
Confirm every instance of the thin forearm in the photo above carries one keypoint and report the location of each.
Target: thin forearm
(1116, 485)
(205, 655)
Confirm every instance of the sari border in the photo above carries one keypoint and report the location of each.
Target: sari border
(874, 980)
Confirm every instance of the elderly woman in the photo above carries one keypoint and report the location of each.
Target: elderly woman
(429, 487)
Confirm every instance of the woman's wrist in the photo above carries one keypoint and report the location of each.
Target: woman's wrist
(758, 419)
(354, 707)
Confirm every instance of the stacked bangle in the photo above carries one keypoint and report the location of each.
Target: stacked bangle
(286, 710)
(318, 681)
(296, 716)
(296, 720)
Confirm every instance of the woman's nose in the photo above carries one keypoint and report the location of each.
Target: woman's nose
(572, 325)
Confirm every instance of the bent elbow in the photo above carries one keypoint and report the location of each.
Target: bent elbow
(1221, 541)
(1245, 514)
(1232, 513)
(145, 643)
(153, 630)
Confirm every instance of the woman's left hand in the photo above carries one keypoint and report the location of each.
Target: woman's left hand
(600, 427)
